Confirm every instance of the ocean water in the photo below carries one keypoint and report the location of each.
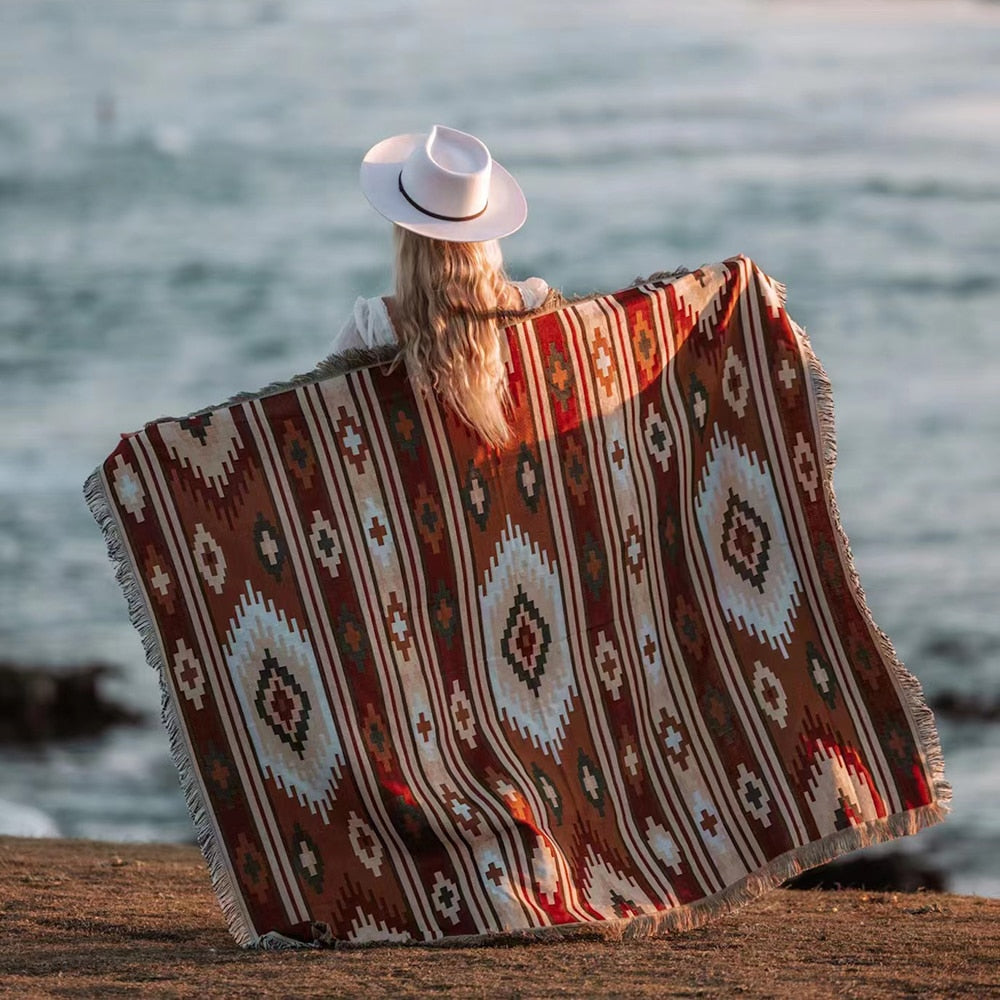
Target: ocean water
(180, 220)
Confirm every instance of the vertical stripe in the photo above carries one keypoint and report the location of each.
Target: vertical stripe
(673, 396)
(321, 628)
(791, 507)
(611, 517)
(168, 684)
(421, 671)
(449, 478)
(705, 759)
(582, 657)
(215, 667)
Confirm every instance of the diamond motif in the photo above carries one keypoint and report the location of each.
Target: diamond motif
(270, 546)
(770, 694)
(129, 489)
(350, 440)
(656, 434)
(735, 383)
(298, 454)
(307, 858)
(276, 678)
(325, 543)
(523, 623)
(529, 478)
(189, 674)
(476, 496)
(430, 523)
(742, 529)
(283, 704)
(445, 897)
(209, 558)
(746, 541)
(806, 470)
(365, 844)
(525, 641)
(753, 795)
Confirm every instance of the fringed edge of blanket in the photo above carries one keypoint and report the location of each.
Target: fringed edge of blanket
(677, 919)
(907, 685)
(212, 849)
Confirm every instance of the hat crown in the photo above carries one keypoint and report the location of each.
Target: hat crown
(448, 175)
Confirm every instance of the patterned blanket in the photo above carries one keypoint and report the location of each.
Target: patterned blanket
(620, 673)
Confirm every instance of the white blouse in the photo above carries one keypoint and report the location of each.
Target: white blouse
(370, 326)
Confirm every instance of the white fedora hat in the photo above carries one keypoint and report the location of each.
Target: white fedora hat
(443, 184)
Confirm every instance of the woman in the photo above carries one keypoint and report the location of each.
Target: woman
(450, 203)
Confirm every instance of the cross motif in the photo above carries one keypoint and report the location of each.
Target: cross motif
(477, 497)
(528, 478)
(443, 614)
(308, 860)
(550, 794)
(618, 454)
(787, 375)
(594, 564)
(352, 440)
(377, 531)
(399, 626)
(560, 375)
(657, 436)
(590, 785)
(220, 773)
(462, 810)
(603, 362)
(649, 648)
(298, 454)
(634, 549)
(821, 677)
(211, 558)
(507, 790)
(494, 873)
(709, 822)
(424, 727)
(770, 694)
(160, 580)
(404, 425)
(188, 675)
(754, 795)
(700, 408)
(673, 739)
(269, 547)
(631, 760)
(326, 543)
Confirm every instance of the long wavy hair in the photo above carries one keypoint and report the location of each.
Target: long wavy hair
(452, 300)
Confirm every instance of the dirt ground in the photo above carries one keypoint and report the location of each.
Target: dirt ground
(82, 919)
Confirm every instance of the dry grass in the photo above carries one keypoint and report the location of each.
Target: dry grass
(82, 919)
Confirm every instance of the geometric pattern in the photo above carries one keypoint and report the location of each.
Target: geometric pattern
(421, 689)
(529, 667)
(206, 445)
(743, 530)
(278, 685)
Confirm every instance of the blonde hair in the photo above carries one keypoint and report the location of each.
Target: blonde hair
(452, 301)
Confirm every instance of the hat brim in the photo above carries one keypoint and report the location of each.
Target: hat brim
(505, 212)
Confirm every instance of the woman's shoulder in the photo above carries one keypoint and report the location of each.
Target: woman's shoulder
(368, 326)
(534, 291)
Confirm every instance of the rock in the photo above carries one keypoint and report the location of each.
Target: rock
(884, 871)
(966, 707)
(45, 703)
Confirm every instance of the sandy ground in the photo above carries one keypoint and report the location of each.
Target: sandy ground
(82, 919)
